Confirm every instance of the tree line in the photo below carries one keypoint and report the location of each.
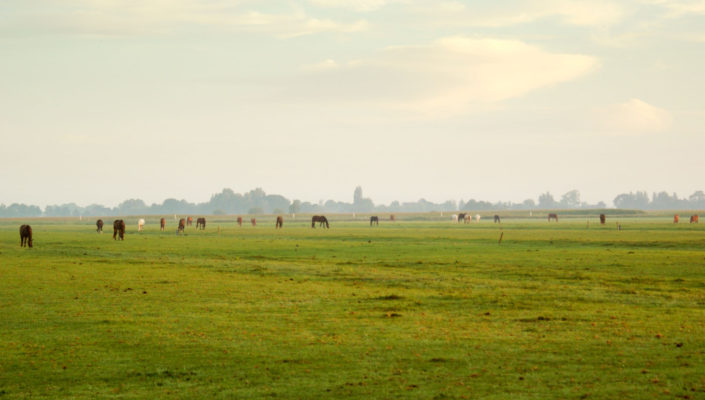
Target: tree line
(256, 201)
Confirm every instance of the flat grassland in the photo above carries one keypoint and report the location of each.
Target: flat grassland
(412, 309)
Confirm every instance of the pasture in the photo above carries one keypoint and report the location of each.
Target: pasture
(419, 308)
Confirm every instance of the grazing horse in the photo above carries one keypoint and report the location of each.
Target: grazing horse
(603, 218)
(676, 219)
(201, 223)
(552, 216)
(162, 224)
(99, 225)
(119, 229)
(477, 217)
(239, 221)
(454, 217)
(320, 219)
(461, 217)
(25, 235)
(189, 221)
(496, 219)
(140, 225)
(253, 221)
(182, 225)
(694, 219)
(374, 220)
(280, 222)
(392, 218)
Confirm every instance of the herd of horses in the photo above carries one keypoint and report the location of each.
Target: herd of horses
(119, 224)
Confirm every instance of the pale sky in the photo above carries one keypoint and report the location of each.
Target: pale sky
(105, 100)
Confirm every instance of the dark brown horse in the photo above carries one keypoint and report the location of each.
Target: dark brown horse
(603, 218)
(99, 225)
(694, 219)
(392, 218)
(200, 223)
(322, 220)
(189, 221)
(497, 219)
(280, 222)
(253, 221)
(239, 221)
(552, 216)
(182, 225)
(25, 235)
(162, 224)
(461, 217)
(374, 220)
(119, 229)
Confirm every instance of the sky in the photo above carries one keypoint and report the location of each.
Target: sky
(105, 100)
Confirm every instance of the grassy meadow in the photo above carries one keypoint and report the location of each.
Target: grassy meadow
(420, 308)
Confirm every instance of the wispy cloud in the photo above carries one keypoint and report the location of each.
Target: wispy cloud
(634, 117)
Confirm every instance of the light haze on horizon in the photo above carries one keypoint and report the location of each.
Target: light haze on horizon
(106, 100)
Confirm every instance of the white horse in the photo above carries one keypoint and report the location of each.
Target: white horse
(140, 225)
(454, 217)
(477, 217)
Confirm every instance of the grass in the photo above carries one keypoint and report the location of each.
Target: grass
(412, 309)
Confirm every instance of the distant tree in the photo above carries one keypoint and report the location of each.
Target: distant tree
(255, 210)
(697, 199)
(546, 201)
(570, 199)
(132, 207)
(528, 204)
(638, 200)
(219, 212)
(361, 204)
(295, 207)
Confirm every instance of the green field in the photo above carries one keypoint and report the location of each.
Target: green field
(418, 309)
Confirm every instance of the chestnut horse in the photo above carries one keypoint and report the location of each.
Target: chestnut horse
(676, 218)
(392, 218)
(201, 223)
(374, 220)
(253, 221)
(162, 224)
(554, 216)
(189, 221)
(99, 225)
(320, 219)
(603, 218)
(119, 229)
(694, 219)
(239, 221)
(25, 235)
(182, 225)
(280, 222)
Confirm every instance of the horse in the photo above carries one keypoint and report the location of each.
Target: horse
(694, 219)
(676, 219)
(239, 221)
(454, 217)
(552, 216)
(200, 223)
(374, 220)
(603, 218)
(320, 219)
(119, 229)
(461, 217)
(182, 225)
(25, 235)
(99, 225)
(392, 218)
(280, 222)
(253, 221)
(477, 217)
(189, 221)
(496, 219)
(140, 225)
(162, 224)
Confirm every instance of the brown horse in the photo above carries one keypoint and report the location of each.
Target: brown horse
(119, 229)
(162, 224)
(603, 218)
(280, 222)
(320, 219)
(496, 219)
(189, 221)
(676, 218)
(461, 217)
(253, 221)
(374, 220)
(552, 216)
(25, 235)
(392, 218)
(99, 225)
(239, 221)
(201, 223)
(182, 225)
(694, 219)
